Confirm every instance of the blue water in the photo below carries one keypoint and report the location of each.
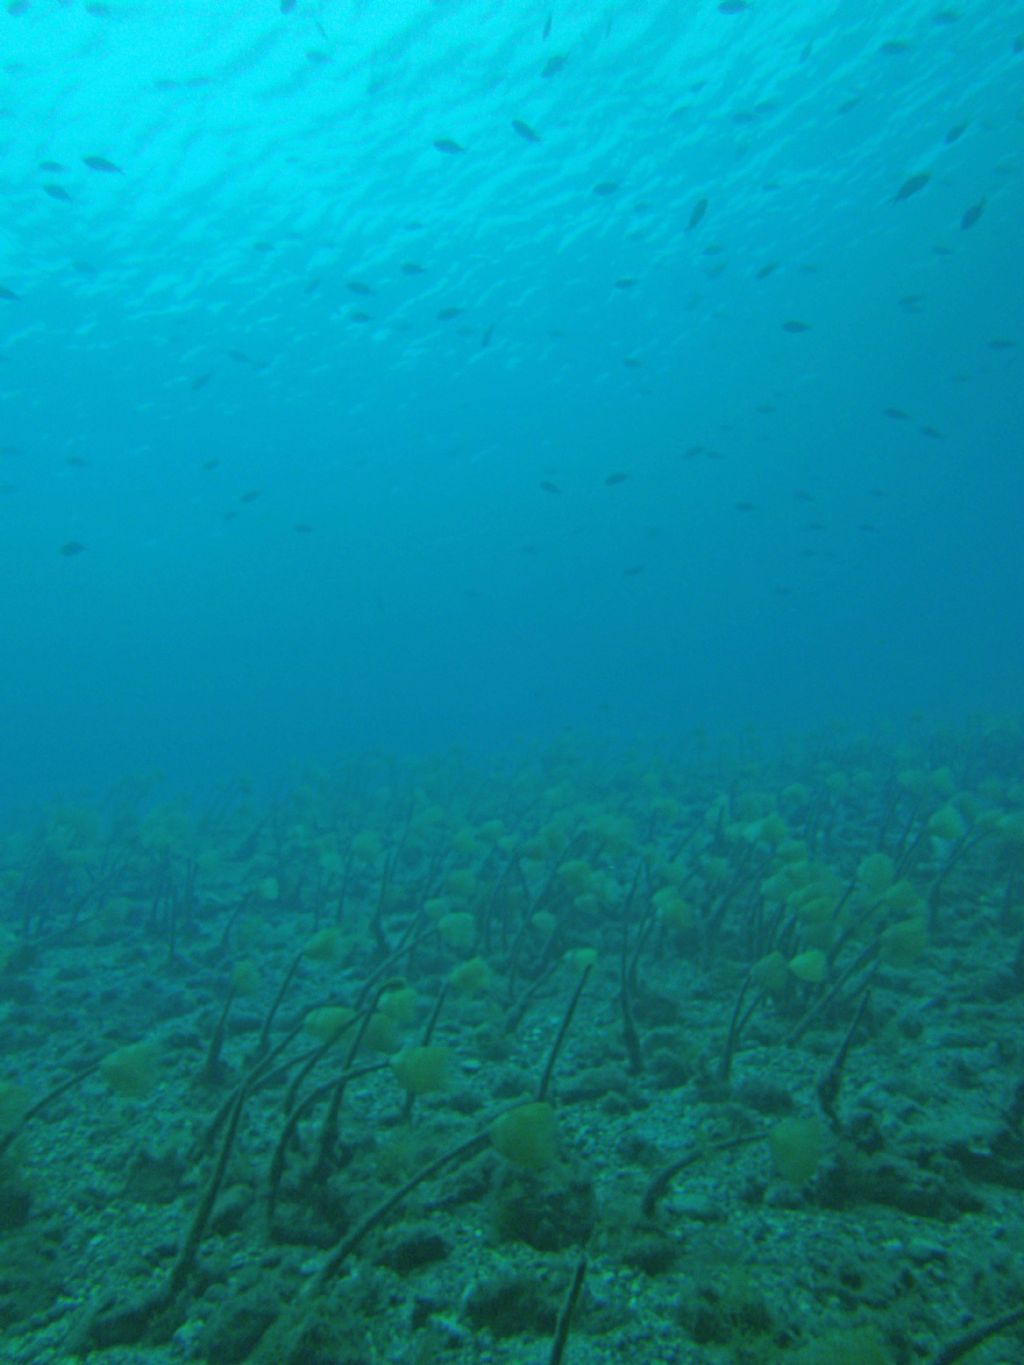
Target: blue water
(267, 497)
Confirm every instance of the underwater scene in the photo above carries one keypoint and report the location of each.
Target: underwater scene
(512, 689)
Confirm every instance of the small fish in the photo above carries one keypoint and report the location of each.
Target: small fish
(57, 192)
(201, 381)
(933, 432)
(626, 282)
(767, 270)
(288, 6)
(303, 528)
(525, 131)
(447, 144)
(549, 487)
(745, 506)
(1001, 344)
(697, 213)
(357, 315)
(240, 357)
(691, 452)
(251, 495)
(895, 47)
(546, 34)
(52, 167)
(71, 547)
(848, 106)
(446, 314)
(413, 268)
(613, 479)
(210, 464)
(101, 164)
(8, 294)
(604, 188)
(76, 462)
(553, 65)
(896, 414)
(633, 570)
(358, 287)
(912, 185)
(312, 286)
(733, 6)
(801, 495)
(795, 325)
(956, 132)
(972, 215)
(485, 338)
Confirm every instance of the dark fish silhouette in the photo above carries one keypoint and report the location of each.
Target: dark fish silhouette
(733, 6)
(553, 65)
(446, 314)
(897, 414)
(617, 477)
(358, 287)
(525, 131)
(697, 213)
(57, 192)
(71, 547)
(8, 294)
(447, 144)
(413, 268)
(956, 132)
(201, 381)
(549, 487)
(603, 188)
(53, 167)
(795, 325)
(766, 270)
(251, 495)
(911, 186)
(972, 215)
(626, 282)
(101, 164)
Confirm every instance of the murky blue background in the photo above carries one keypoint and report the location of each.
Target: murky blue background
(399, 374)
